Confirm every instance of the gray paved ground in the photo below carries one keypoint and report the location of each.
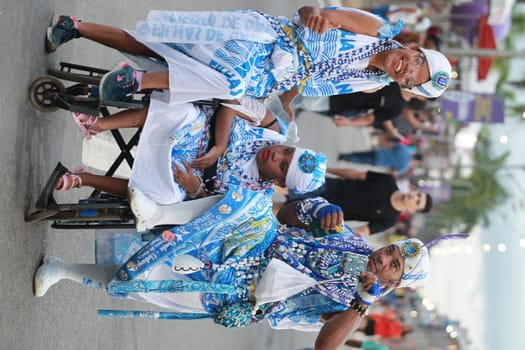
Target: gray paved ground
(31, 144)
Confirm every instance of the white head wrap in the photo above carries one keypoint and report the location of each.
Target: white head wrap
(307, 170)
(417, 264)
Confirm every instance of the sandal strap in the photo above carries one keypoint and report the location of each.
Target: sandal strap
(85, 125)
(71, 180)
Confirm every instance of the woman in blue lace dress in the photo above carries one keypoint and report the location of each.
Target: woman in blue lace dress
(320, 52)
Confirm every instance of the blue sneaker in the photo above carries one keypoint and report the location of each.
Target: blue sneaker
(61, 30)
(118, 84)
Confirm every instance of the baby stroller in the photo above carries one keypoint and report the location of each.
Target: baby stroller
(100, 210)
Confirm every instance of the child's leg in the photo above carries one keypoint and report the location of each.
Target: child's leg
(130, 118)
(91, 125)
(115, 38)
(157, 80)
(66, 28)
(108, 184)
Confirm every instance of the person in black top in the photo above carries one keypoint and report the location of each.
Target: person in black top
(386, 103)
(376, 109)
(369, 196)
(393, 106)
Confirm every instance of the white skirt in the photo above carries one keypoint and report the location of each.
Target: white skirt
(152, 172)
(189, 79)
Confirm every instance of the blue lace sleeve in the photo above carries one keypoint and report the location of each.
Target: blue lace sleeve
(306, 207)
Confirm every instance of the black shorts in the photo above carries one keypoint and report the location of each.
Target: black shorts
(369, 329)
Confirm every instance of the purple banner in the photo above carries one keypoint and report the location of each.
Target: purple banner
(473, 107)
(438, 193)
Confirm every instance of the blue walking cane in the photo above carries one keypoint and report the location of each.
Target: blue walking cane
(154, 315)
(164, 286)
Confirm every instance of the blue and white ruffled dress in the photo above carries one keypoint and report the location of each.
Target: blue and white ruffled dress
(219, 55)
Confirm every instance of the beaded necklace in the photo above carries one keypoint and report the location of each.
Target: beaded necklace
(203, 141)
(334, 69)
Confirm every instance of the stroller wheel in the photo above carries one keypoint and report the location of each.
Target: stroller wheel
(42, 93)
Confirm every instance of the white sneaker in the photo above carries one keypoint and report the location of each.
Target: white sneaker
(145, 210)
(149, 214)
(48, 274)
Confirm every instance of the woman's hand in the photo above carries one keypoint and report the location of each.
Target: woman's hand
(311, 18)
(286, 99)
(208, 159)
(319, 24)
(350, 20)
(186, 178)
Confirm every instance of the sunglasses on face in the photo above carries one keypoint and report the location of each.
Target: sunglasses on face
(416, 61)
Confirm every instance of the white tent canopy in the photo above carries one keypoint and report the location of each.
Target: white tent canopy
(500, 11)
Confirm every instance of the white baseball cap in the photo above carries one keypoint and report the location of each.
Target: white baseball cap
(439, 69)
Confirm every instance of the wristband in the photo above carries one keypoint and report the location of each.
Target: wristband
(311, 209)
(196, 193)
(326, 209)
(360, 309)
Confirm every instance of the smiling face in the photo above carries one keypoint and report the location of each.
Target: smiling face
(408, 67)
(273, 162)
(387, 264)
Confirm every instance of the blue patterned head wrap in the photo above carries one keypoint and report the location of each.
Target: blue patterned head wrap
(307, 170)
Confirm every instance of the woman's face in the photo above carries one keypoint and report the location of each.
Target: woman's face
(273, 162)
(408, 67)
